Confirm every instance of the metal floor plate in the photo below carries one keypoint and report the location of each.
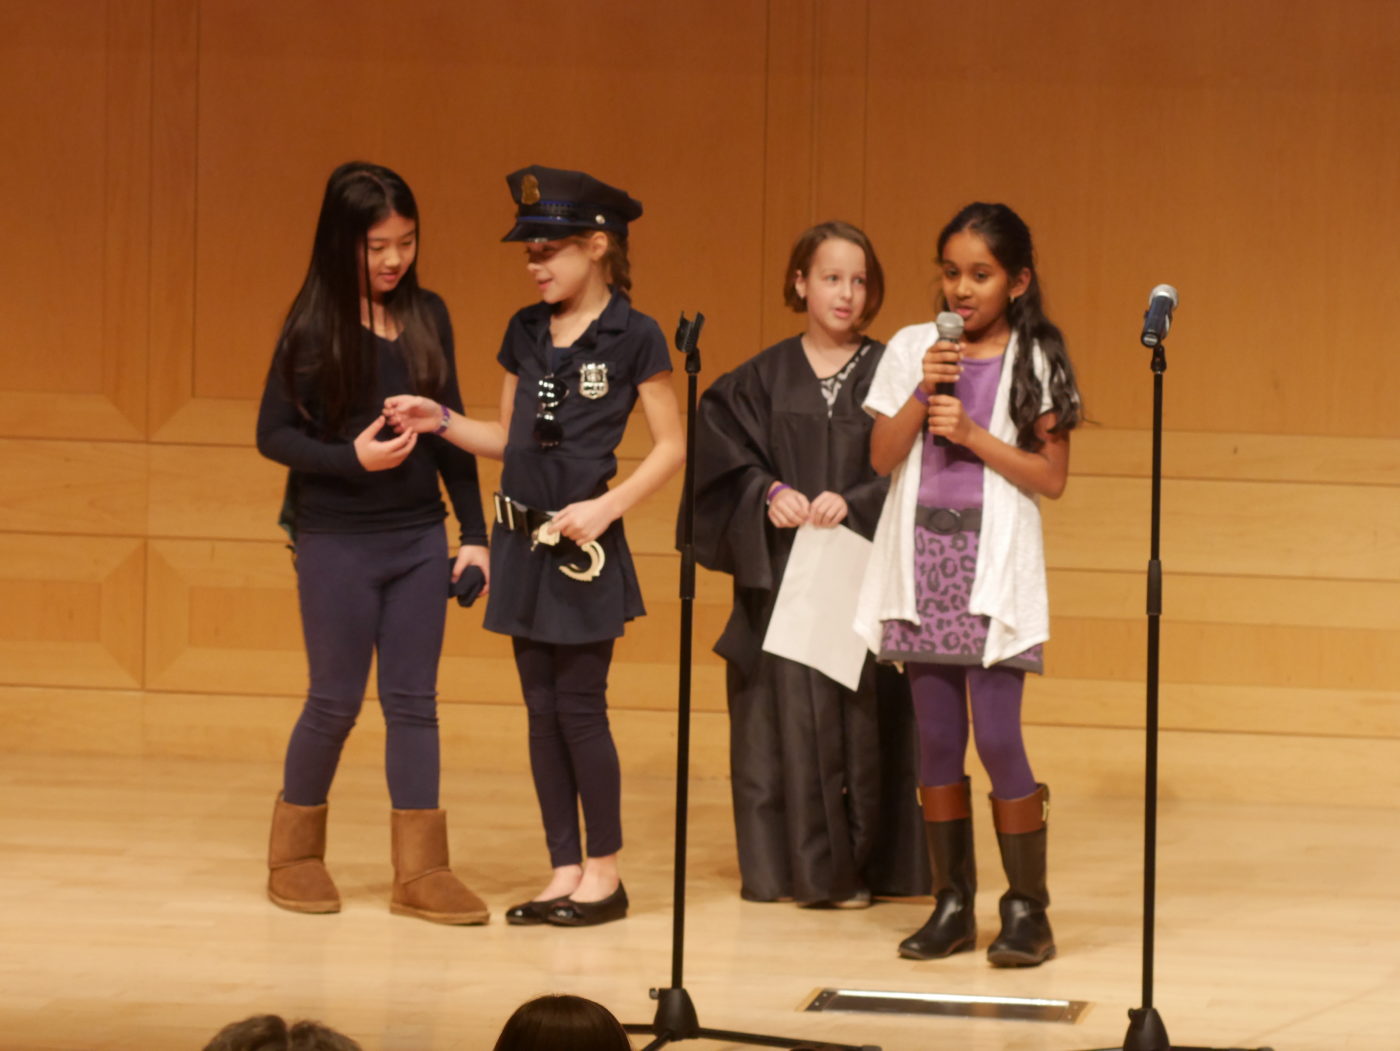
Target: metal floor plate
(1004, 1008)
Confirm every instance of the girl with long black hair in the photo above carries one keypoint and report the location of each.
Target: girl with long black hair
(366, 513)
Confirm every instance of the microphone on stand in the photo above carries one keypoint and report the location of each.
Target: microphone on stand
(1157, 321)
(950, 328)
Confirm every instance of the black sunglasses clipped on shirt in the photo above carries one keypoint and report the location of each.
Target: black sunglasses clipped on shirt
(551, 392)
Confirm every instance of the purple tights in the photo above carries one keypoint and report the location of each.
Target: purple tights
(941, 693)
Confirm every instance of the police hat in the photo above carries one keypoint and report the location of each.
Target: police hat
(552, 203)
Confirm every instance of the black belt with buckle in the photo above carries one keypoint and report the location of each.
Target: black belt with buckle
(516, 517)
(530, 522)
(947, 520)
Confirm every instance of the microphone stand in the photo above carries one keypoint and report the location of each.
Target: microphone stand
(676, 1018)
(1146, 1030)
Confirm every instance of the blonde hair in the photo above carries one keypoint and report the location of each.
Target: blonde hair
(615, 262)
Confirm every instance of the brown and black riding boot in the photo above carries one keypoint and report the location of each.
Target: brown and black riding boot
(424, 885)
(296, 870)
(948, 827)
(1025, 939)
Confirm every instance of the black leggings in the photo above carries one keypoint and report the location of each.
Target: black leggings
(363, 593)
(572, 755)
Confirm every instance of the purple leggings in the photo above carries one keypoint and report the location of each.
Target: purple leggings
(572, 755)
(363, 593)
(941, 693)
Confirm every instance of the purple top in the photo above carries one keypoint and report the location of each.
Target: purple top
(952, 474)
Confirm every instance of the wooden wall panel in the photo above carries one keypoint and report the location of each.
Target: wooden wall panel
(201, 725)
(127, 202)
(175, 85)
(222, 615)
(814, 162)
(1248, 457)
(453, 121)
(62, 720)
(43, 53)
(1249, 528)
(1230, 599)
(228, 492)
(1081, 761)
(1222, 654)
(76, 77)
(76, 487)
(229, 725)
(173, 153)
(1061, 700)
(1230, 767)
(1143, 152)
(70, 610)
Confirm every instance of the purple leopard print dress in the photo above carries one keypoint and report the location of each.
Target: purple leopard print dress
(946, 528)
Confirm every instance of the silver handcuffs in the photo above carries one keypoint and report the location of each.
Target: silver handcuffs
(547, 535)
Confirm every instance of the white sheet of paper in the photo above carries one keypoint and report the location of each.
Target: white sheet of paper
(816, 604)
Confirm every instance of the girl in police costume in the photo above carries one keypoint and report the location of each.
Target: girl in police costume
(564, 585)
(956, 584)
(366, 512)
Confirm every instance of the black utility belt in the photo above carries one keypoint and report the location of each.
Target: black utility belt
(516, 517)
(948, 520)
(535, 524)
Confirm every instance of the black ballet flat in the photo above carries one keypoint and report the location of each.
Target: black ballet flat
(531, 913)
(570, 913)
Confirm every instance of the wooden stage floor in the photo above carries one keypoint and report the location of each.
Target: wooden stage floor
(133, 917)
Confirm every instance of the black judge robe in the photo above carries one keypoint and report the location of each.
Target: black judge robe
(824, 779)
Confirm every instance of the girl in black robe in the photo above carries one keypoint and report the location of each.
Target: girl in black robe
(823, 778)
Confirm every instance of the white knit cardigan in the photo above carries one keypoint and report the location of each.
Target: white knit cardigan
(1009, 582)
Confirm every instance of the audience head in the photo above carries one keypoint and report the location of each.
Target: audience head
(556, 1023)
(272, 1033)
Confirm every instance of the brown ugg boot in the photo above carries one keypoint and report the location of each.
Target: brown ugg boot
(424, 886)
(297, 878)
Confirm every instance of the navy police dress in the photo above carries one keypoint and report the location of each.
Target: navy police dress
(530, 597)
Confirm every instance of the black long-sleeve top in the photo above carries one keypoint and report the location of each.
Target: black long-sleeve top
(333, 493)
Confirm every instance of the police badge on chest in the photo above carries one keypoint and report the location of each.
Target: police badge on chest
(593, 379)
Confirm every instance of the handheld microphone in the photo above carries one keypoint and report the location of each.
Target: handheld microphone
(1157, 321)
(950, 327)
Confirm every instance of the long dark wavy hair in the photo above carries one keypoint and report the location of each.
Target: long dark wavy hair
(327, 359)
(1008, 238)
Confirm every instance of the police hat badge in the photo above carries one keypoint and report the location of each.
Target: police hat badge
(553, 203)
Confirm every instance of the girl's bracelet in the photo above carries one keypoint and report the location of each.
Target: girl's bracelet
(775, 490)
(921, 395)
(446, 419)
